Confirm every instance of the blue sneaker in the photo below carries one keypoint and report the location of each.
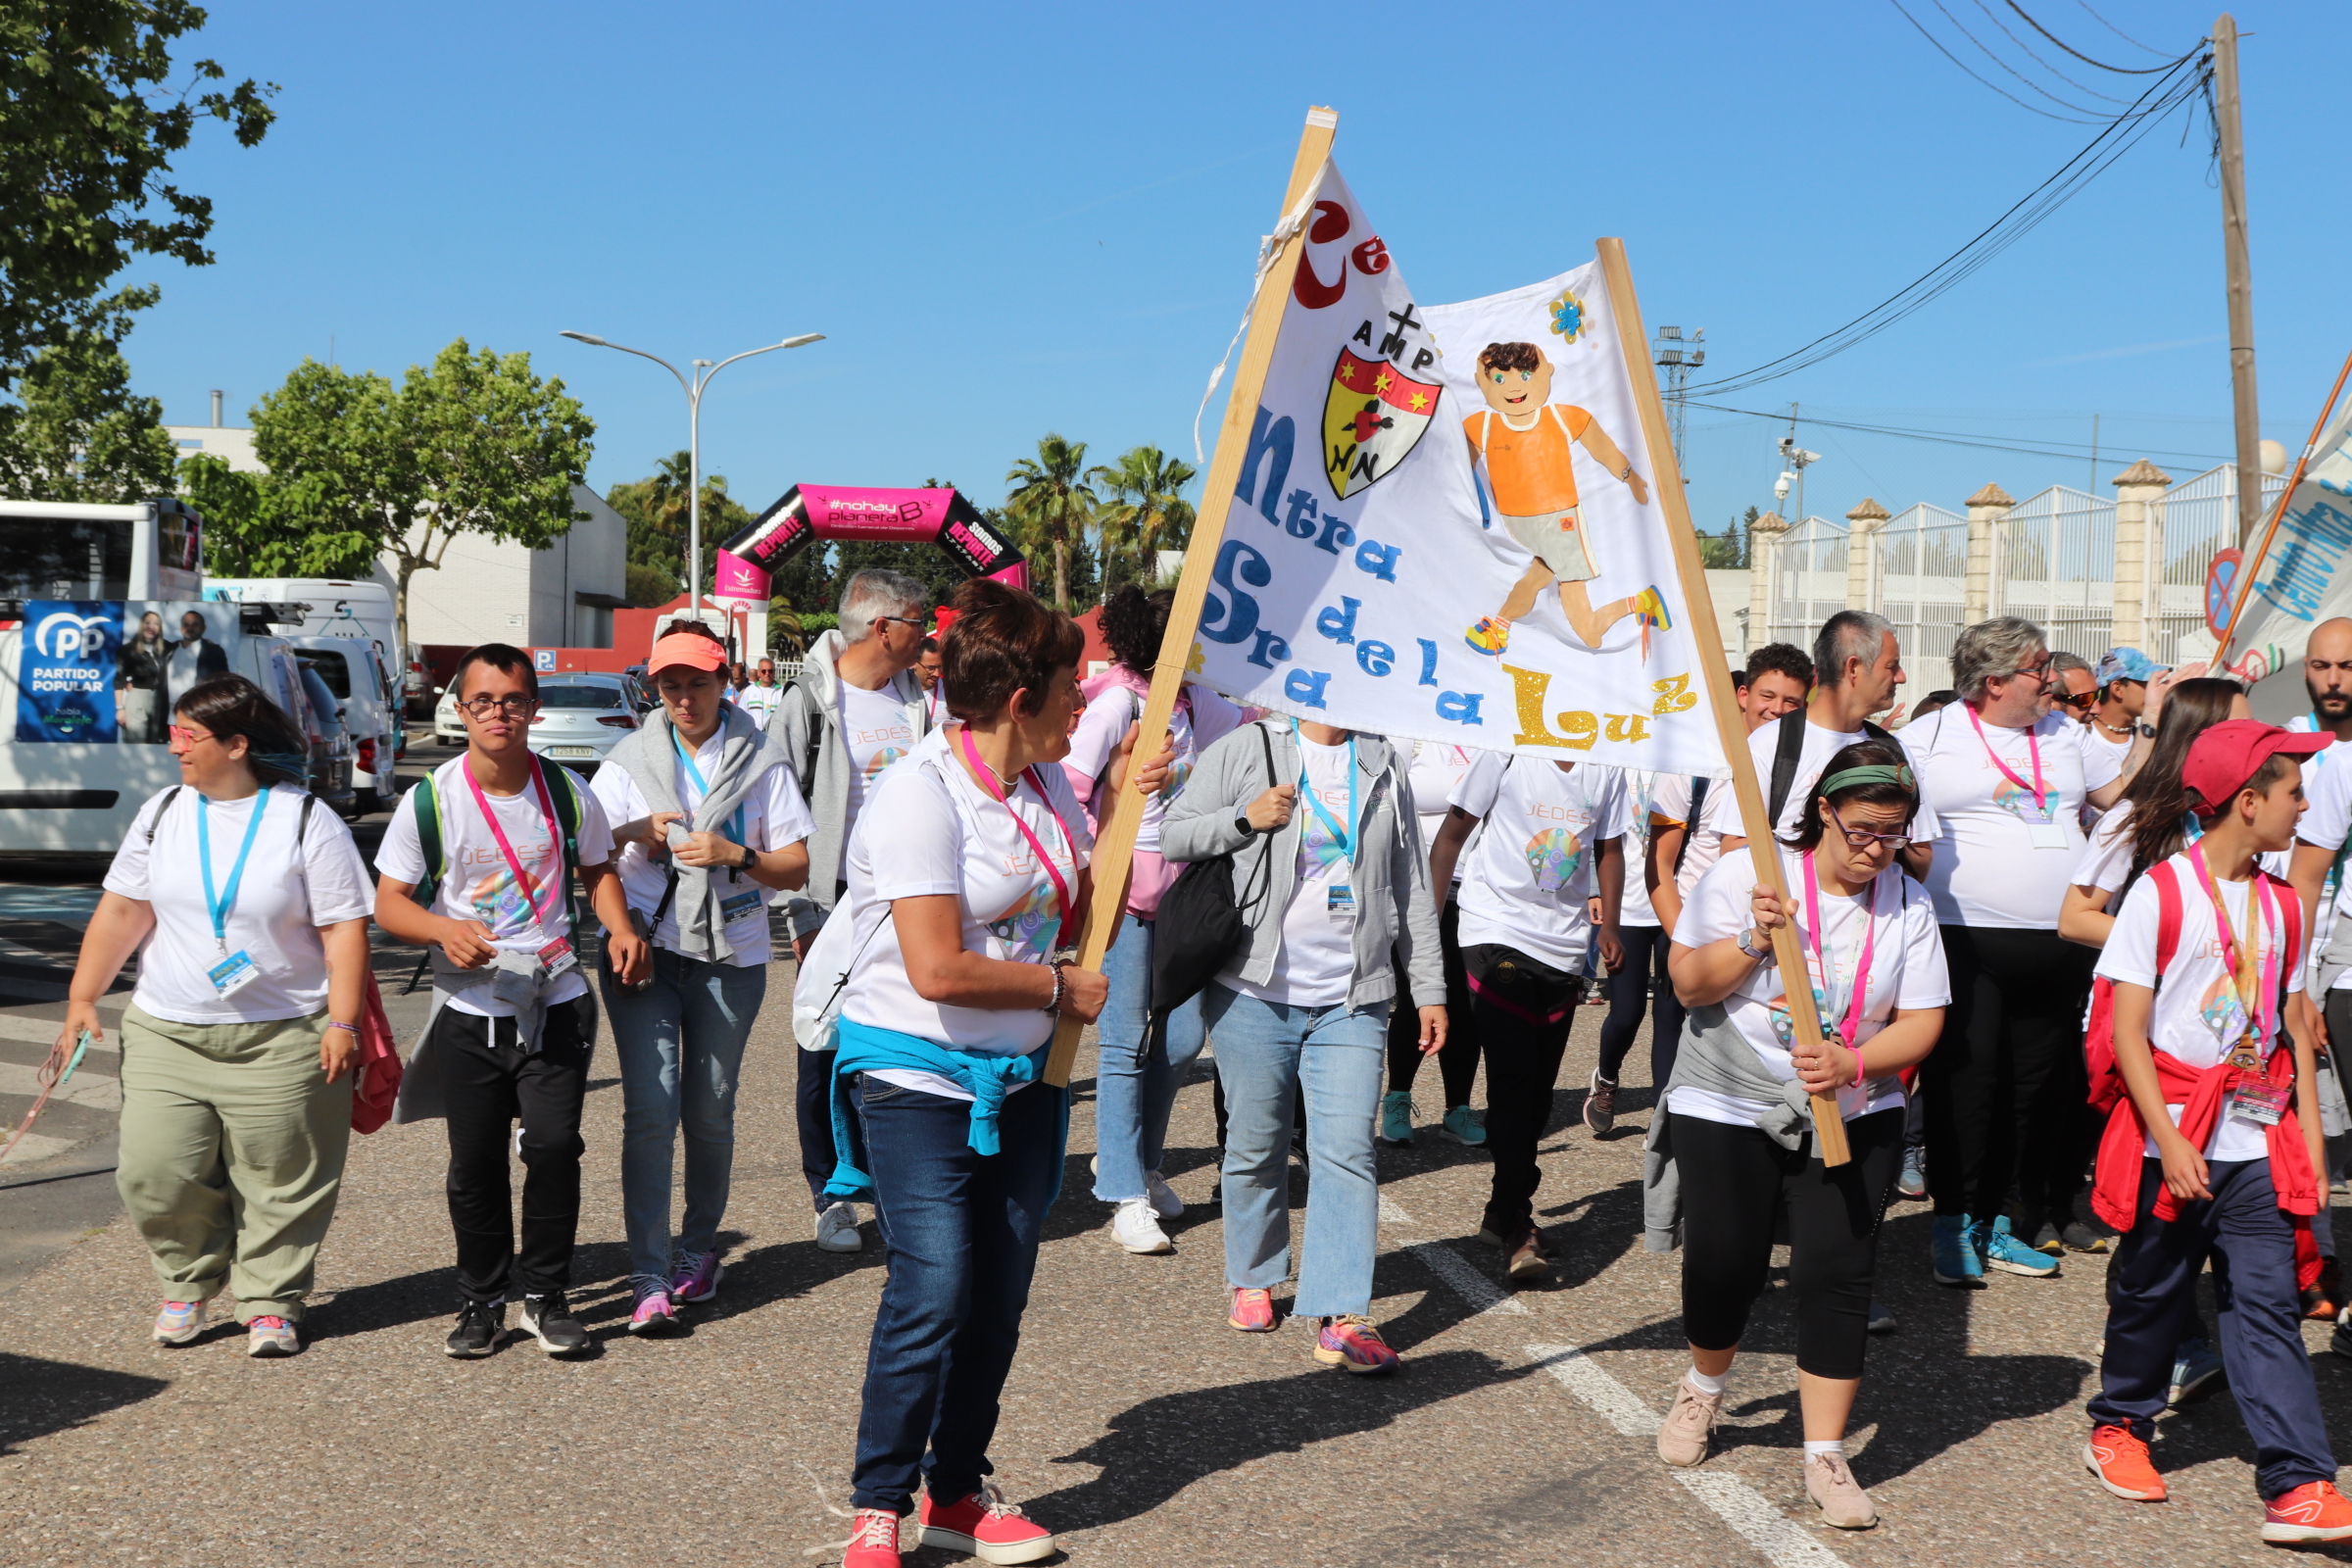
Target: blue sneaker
(2196, 1372)
(2010, 1255)
(1955, 1258)
(1396, 1118)
(1463, 1126)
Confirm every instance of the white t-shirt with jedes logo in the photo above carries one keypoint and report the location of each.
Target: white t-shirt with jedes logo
(480, 885)
(1532, 870)
(875, 727)
(929, 829)
(2003, 859)
(1316, 965)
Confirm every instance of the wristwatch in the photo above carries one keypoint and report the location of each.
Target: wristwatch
(1763, 952)
(1242, 821)
(2145, 729)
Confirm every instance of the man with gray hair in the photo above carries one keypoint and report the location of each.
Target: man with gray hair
(1857, 668)
(851, 712)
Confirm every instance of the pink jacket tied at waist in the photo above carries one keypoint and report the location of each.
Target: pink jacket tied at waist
(1212, 719)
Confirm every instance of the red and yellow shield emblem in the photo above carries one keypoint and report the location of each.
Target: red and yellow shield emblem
(1372, 416)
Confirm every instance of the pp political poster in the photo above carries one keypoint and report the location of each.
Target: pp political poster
(1446, 523)
(66, 667)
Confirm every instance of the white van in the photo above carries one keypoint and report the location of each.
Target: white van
(352, 675)
(86, 688)
(339, 607)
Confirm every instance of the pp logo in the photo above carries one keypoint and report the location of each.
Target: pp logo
(66, 636)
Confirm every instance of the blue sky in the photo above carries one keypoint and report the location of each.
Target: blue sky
(1009, 221)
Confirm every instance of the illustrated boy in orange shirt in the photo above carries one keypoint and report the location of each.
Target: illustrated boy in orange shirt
(1524, 437)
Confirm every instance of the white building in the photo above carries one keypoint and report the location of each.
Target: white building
(488, 590)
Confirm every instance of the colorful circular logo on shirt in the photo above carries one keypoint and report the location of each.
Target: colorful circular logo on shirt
(1555, 856)
(2018, 801)
(1028, 927)
(882, 759)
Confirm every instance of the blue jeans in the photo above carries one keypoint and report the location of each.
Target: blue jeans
(1265, 1053)
(1136, 1077)
(962, 1232)
(680, 1044)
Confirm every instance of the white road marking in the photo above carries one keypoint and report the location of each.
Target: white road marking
(99, 1091)
(43, 1031)
(1782, 1540)
(36, 1145)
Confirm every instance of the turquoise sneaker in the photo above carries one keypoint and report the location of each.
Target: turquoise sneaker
(1461, 1124)
(1955, 1255)
(2010, 1255)
(1396, 1118)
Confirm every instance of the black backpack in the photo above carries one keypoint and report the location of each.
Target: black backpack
(1787, 745)
(1200, 924)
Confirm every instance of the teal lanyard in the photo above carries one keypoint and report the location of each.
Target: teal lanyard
(694, 774)
(220, 903)
(1344, 837)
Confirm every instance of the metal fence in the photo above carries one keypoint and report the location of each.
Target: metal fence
(2186, 529)
(1922, 586)
(1808, 580)
(2053, 563)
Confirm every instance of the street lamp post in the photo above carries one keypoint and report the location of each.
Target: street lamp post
(693, 387)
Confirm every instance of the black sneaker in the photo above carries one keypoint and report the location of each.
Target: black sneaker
(2091, 1236)
(2048, 1239)
(480, 1325)
(550, 1320)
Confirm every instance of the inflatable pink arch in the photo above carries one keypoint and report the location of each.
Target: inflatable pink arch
(807, 512)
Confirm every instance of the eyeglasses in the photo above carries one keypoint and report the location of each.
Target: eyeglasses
(2040, 671)
(182, 735)
(1857, 838)
(917, 621)
(515, 704)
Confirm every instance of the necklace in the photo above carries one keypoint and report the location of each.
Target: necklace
(971, 753)
(2111, 729)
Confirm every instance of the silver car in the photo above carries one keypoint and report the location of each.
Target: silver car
(581, 717)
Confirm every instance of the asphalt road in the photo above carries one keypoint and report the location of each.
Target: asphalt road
(1135, 1423)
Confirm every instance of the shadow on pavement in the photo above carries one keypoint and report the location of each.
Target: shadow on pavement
(1156, 1449)
(39, 1397)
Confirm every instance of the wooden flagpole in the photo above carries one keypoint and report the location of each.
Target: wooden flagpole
(1788, 950)
(2253, 559)
(1114, 843)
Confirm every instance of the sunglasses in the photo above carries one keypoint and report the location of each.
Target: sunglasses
(1858, 839)
(2080, 702)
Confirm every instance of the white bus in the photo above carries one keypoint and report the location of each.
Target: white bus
(68, 550)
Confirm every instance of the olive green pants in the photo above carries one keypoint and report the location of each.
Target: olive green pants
(232, 1156)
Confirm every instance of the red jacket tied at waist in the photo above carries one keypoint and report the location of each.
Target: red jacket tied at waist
(2200, 1092)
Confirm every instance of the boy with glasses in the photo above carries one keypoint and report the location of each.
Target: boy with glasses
(477, 867)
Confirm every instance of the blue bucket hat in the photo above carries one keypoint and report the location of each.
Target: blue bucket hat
(2126, 663)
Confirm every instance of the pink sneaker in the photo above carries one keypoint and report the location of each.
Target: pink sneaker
(1253, 1310)
(655, 1315)
(179, 1322)
(984, 1526)
(1353, 1343)
(270, 1336)
(873, 1539)
(696, 1279)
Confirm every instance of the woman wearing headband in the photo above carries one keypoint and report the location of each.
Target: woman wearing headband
(239, 1043)
(1734, 1148)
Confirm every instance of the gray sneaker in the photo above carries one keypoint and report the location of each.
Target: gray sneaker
(1600, 1102)
(1683, 1438)
(1842, 1502)
(837, 1229)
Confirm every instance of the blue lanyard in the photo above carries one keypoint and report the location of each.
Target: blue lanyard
(1344, 837)
(219, 905)
(694, 774)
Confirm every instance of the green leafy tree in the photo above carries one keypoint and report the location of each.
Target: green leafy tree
(1146, 513)
(472, 444)
(650, 587)
(1727, 551)
(89, 123)
(76, 431)
(1050, 505)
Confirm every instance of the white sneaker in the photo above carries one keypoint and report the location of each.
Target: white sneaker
(1165, 1202)
(1136, 1228)
(837, 1229)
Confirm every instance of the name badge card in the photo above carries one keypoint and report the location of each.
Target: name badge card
(234, 974)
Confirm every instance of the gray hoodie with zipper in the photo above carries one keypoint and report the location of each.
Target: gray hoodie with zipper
(1393, 910)
(808, 721)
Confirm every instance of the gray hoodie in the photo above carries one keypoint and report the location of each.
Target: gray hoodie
(1391, 870)
(808, 721)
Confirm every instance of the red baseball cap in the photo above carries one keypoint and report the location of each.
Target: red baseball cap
(2226, 756)
(685, 648)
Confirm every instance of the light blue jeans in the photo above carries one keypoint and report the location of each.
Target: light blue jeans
(680, 1044)
(1136, 1078)
(1265, 1051)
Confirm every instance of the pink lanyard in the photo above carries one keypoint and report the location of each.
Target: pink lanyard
(547, 808)
(1869, 939)
(2256, 910)
(987, 779)
(2032, 745)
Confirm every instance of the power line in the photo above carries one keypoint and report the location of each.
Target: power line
(1995, 86)
(2118, 31)
(2071, 449)
(2027, 50)
(1983, 49)
(2117, 136)
(2120, 70)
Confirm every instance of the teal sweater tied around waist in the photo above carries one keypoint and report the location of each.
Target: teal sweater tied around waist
(985, 1078)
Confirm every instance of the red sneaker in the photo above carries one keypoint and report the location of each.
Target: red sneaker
(2121, 1462)
(1253, 1310)
(873, 1539)
(2313, 1511)
(984, 1526)
(1353, 1343)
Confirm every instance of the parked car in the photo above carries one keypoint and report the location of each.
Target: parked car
(581, 717)
(307, 700)
(448, 727)
(351, 675)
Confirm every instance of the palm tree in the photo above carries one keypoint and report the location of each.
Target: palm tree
(1050, 498)
(1146, 515)
(666, 491)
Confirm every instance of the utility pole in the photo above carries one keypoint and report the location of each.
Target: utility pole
(1678, 357)
(2240, 277)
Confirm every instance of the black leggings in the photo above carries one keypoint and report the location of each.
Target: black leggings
(1458, 1058)
(2006, 1082)
(1735, 1180)
(1629, 1000)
